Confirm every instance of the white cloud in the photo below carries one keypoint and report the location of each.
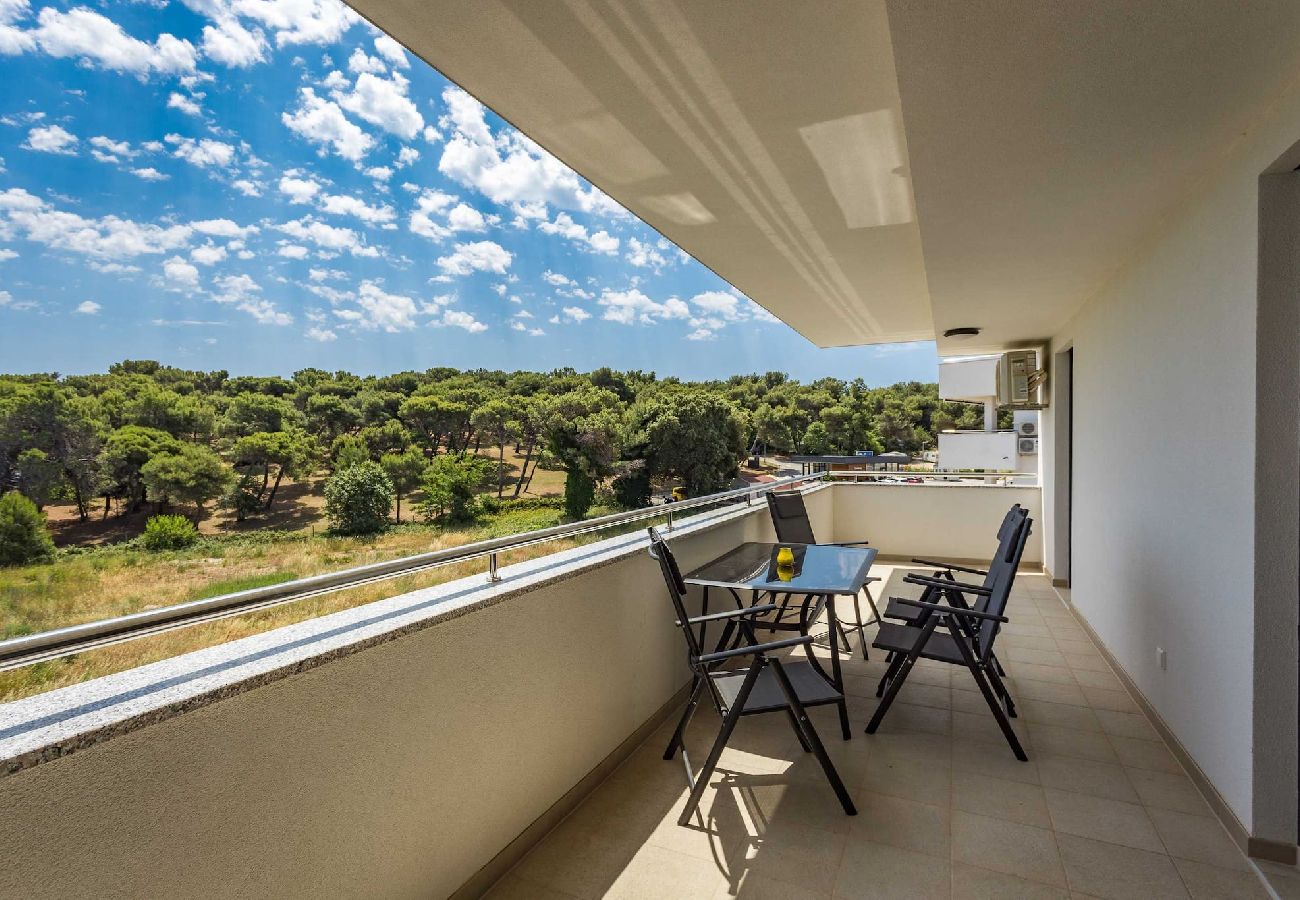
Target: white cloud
(645, 255)
(246, 187)
(99, 42)
(14, 41)
(327, 237)
(564, 226)
(466, 218)
(203, 152)
(293, 251)
(343, 205)
(231, 44)
(300, 21)
(299, 190)
(322, 122)
(224, 228)
(406, 156)
(360, 62)
(719, 304)
(383, 102)
(208, 254)
(510, 168)
(88, 307)
(457, 319)
(7, 254)
(107, 238)
(574, 314)
(556, 278)
(185, 104)
(427, 205)
(324, 274)
(243, 292)
(700, 334)
(479, 256)
(180, 273)
(380, 310)
(108, 150)
(51, 139)
(392, 51)
(149, 173)
(632, 306)
(324, 335)
(379, 173)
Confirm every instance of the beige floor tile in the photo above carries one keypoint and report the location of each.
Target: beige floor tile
(1139, 754)
(1102, 820)
(745, 886)
(1198, 838)
(1098, 679)
(993, 759)
(1091, 662)
(1015, 655)
(656, 872)
(910, 779)
(581, 863)
(1205, 882)
(896, 822)
(1007, 847)
(1050, 692)
(779, 800)
(974, 883)
(1064, 714)
(935, 749)
(1120, 701)
(790, 853)
(1285, 880)
(1056, 741)
(970, 701)
(512, 887)
(1109, 871)
(983, 728)
(1052, 674)
(880, 872)
(1028, 642)
(1014, 801)
(939, 677)
(1127, 724)
(1020, 628)
(1168, 790)
(1083, 776)
(1074, 644)
(906, 716)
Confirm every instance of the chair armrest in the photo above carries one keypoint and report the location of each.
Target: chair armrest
(756, 648)
(948, 585)
(948, 566)
(849, 543)
(954, 610)
(729, 614)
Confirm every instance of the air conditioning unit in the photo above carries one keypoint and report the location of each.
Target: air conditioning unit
(1027, 429)
(1022, 381)
(1027, 446)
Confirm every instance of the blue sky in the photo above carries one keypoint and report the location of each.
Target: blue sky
(263, 185)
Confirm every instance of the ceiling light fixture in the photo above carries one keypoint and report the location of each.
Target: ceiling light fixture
(961, 334)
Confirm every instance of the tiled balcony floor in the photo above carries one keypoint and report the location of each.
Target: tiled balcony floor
(1102, 808)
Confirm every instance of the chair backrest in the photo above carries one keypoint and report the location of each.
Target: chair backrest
(1002, 575)
(790, 517)
(676, 591)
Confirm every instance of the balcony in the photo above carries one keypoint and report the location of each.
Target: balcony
(505, 737)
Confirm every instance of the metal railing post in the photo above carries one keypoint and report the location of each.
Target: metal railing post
(493, 577)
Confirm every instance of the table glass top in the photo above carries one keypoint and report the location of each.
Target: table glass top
(817, 569)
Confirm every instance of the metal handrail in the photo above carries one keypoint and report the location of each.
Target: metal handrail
(46, 645)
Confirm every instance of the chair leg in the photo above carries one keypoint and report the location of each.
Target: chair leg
(903, 668)
(724, 734)
(1001, 689)
(896, 660)
(794, 723)
(989, 697)
(862, 632)
(808, 735)
(680, 733)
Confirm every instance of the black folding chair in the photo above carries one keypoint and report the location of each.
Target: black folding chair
(792, 525)
(967, 636)
(768, 684)
(936, 584)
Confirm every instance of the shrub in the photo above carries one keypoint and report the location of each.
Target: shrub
(357, 499)
(348, 450)
(451, 487)
(23, 535)
(579, 492)
(632, 488)
(168, 533)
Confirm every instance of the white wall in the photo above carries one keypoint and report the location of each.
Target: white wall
(943, 521)
(1163, 459)
(994, 450)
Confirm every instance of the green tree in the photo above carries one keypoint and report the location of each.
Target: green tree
(451, 485)
(694, 436)
(583, 432)
(348, 450)
(24, 538)
(291, 452)
(357, 499)
(405, 470)
(191, 474)
(816, 440)
(38, 475)
(126, 451)
(495, 420)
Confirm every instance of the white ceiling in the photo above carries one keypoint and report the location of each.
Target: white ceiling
(1035, 145)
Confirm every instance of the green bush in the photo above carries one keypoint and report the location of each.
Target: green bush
(451, 486)
(632, 489)
(579, 492)
(24, 538)
(357, 499)
(168, 533)
(348, 450)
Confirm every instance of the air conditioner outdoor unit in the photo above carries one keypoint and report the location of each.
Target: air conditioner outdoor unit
(1027, 446)
(1028, 429)
(1021, 380)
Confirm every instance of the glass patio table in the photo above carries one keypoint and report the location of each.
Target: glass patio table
(820, 573)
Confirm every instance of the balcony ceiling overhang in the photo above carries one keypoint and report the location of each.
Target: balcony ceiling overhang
(874, 172)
